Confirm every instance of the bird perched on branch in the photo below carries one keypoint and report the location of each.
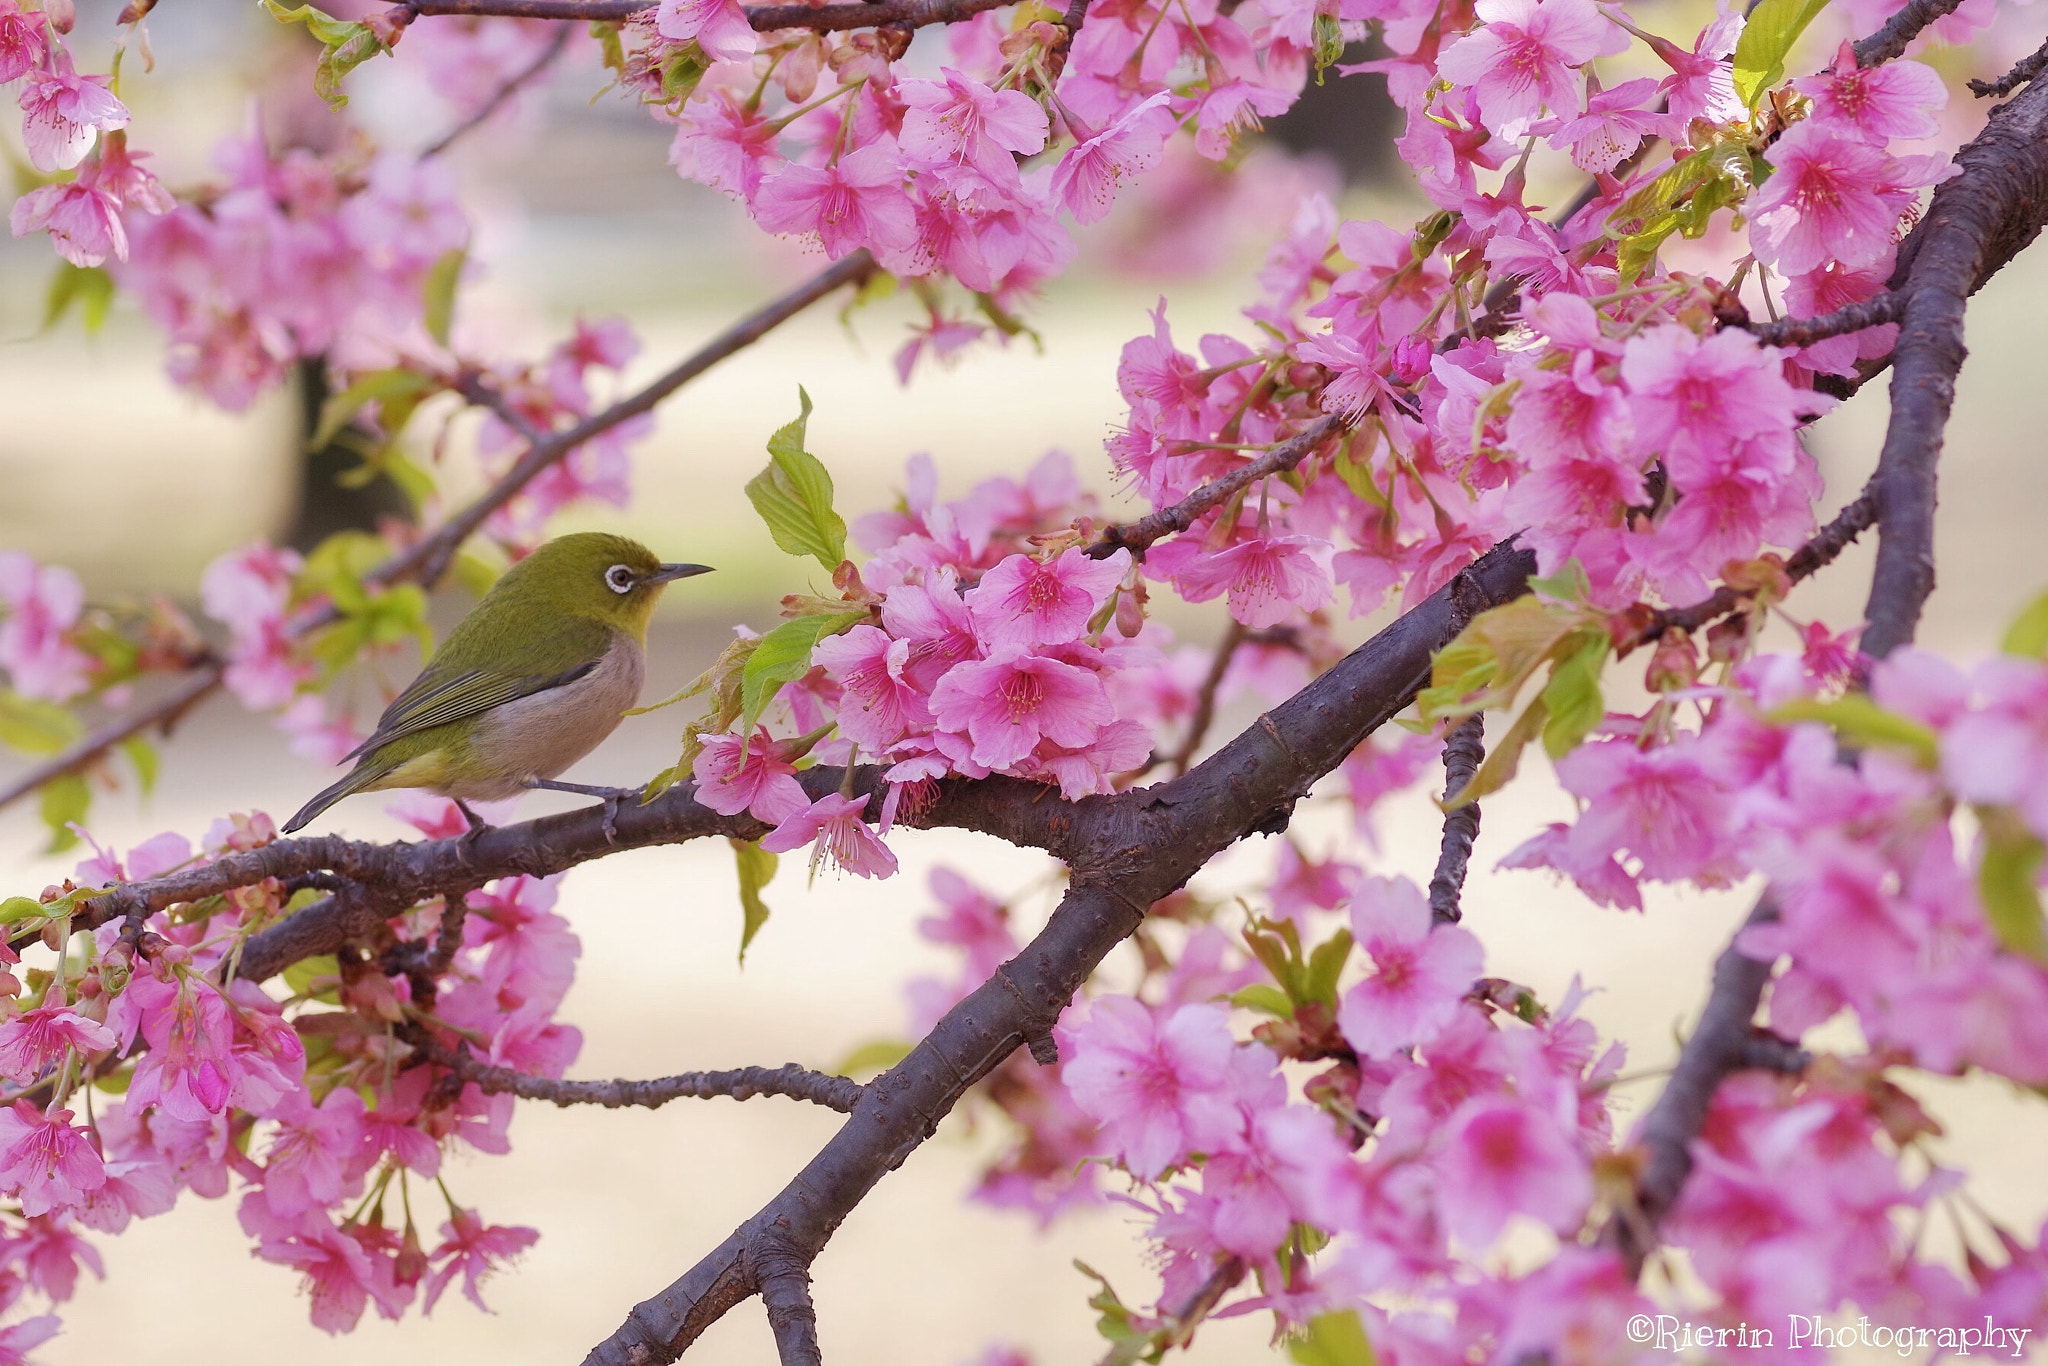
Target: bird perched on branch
(529, 682)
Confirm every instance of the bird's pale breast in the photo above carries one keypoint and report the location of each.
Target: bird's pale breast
(540, 736)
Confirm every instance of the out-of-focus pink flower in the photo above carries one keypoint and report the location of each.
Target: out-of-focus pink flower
(1420, 970)
(42, 603)
(720, 27)
(24, 40)
(1158, 1085)
(473, 1249)
(1505, 1157)
(1027, 602)
(841, 837)
(19, 1339)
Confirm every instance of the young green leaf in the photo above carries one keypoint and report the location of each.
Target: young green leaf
(875, 1056)
(439, 293)
(1573, 699)
(89, 287)
(382, 387)
(2005, 882)
(64, 801)
(783, 656)
(34, 726)
(347, 45)
(1336, 1339)
(794, 496)
(1767, 37)
(1862, 722)
(2028, 635)
(757, 870)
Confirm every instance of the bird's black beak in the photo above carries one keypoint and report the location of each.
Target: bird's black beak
(668, 573)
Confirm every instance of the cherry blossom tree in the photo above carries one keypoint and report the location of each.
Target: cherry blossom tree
(1560, 440)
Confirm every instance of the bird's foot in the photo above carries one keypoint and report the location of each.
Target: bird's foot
(610, 796)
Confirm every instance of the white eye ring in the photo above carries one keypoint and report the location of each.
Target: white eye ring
(619, 579)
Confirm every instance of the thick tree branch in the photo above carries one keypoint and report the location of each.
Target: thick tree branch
(1138, 536)
(1125, 851)
(741, 1083)
(1464, 750)
(428, 559)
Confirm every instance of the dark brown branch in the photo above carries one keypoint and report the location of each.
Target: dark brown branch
(1125, 852)
(1900, 30)
(1204, 714)
(512, 86)
(428, 559)
(1138, 536)
(1464, 750)
(783, 1272)
(1719, 1045)
(764, 18)
(1975, 223)
(1831, 540)
(2025, 70)
(741, 1083)
(1872, 312)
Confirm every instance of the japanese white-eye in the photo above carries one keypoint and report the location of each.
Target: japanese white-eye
(537, 674)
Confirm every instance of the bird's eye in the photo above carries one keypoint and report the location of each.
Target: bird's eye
(619, 579)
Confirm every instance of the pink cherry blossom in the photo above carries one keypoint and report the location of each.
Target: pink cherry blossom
(1702, 80)
(1899, 99)
(1614, 124)
(1268, 578)
(1830, 198)
(473, 1250)
(1689, 393)
(858, 201)
(45, 1160)
(761, 780)
(24, 40)
(1028, 603)
(1008, 703)
(720, 27)
(1504, 1157)
(1657, 804)
(17, 1340)
(42, 603)
(1158, 1084)
(873, 669)
(1420, 971)
(1525, 58)
(35, 1039)
(841, 837)
(1088, 177)
(61, 111)
(960, 120)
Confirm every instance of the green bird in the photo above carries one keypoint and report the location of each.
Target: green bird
(529, 682)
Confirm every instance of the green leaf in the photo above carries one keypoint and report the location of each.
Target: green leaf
(2005, 882)
(1503, 757)
(2028, 635)
(1325, 964)
(439, 293)
(1862, 722)
(757, 870)
(875, 1056)
(300, 976)
(1265, 998)
(64, 800)
(783, 656)
(91, 288)
(1572, 697)
(1767, 38)
(794, 496)
(347, 45)
(382, 387)
(16, 908)
(1333, 1340)
(34, 726)
(143, 755)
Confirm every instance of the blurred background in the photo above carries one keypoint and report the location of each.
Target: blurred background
(104, 466)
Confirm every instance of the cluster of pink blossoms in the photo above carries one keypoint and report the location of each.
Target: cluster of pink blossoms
(311, 1106)
(40, 604)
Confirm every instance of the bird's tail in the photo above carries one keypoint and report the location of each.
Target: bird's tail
(361, 778)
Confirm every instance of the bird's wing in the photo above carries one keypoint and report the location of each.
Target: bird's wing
(446, 692)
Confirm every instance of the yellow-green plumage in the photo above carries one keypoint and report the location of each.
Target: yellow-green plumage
(528, 683)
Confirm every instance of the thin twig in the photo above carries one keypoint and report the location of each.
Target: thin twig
(1205, 696)
(2026, 69)
(1464, 750)
(740, 1083)
(1900, 30)
(1138, 536)
(1875, 311)
(428, 559)
(482, 113)
(1177, 1329)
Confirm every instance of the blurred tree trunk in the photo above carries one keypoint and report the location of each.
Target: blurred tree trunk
(326, 504)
